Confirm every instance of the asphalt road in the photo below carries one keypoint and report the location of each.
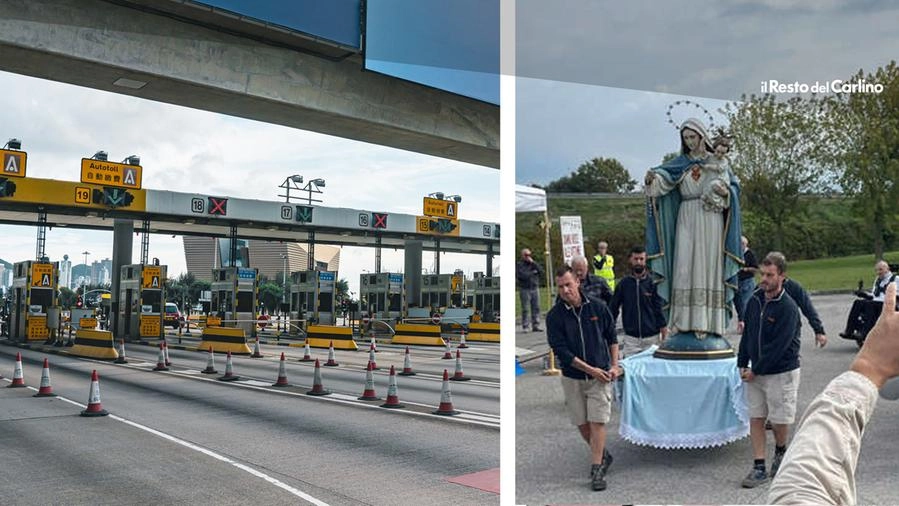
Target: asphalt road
(552, 462)
(184, 438)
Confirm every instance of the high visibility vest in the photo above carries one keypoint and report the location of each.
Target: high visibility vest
(608, 270)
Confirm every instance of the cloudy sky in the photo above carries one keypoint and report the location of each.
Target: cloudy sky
(188, 150)
(596, 77)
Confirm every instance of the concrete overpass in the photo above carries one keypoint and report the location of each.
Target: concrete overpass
(175, 52)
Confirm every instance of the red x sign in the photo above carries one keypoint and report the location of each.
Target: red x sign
(378, 220)
(218, 206)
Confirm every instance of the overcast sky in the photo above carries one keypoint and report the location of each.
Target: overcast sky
(187, 150)
(596, 77)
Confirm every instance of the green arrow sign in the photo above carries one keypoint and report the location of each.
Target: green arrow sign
(304, 214)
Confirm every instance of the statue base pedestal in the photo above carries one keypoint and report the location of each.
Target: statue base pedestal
(686, 346)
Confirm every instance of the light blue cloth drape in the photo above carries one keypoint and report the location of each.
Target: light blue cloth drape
(682, 403)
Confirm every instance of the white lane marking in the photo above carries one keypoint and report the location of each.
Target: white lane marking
(259, 474)
(522, 351)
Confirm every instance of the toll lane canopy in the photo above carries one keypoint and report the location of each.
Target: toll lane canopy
(80, 205)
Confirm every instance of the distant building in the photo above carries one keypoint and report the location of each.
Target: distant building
(65, 272)
(202, 254)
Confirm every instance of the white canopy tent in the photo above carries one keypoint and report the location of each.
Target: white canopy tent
(529, 199)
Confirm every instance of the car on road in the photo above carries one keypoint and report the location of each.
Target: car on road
(172, 316)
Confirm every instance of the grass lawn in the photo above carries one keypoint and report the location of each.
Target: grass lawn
(824, 274)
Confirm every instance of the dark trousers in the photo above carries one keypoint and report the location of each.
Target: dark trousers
(530, 299)
(862, 316)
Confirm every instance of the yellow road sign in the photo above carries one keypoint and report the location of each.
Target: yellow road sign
(42, 275)
(110, 173)
(13, 163)
(87, 323)
(45, 192)
(437, 226)
(152, 276)
(150, 326)
(82, 195)
(441, 208)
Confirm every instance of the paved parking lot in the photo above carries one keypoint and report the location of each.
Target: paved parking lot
(553, 462)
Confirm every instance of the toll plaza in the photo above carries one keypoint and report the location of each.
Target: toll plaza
(312, 296)
(383, 295)
(34, 299)
(142, 301)
(234, 291)
(482, 294)
(440, 291)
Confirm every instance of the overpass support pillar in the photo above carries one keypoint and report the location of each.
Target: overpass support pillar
(412, 268)
(122, 241)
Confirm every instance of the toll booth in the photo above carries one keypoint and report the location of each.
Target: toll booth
(141, 301)
(34, 296)
(442, 290)
(483, 293)
(383, 295)
(312, 296)
(234, 297)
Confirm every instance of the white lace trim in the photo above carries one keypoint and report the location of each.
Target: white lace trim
(683, 441)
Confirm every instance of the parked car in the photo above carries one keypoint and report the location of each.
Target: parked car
(172, 316)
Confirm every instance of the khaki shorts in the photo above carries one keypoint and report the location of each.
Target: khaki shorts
(629, 345)
(587, 400)
(773, 396)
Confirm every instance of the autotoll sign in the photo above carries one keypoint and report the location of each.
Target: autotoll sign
(13, 163)
(441, 208)
(110, 173)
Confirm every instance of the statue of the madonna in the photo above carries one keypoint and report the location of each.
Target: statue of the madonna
(693, 235)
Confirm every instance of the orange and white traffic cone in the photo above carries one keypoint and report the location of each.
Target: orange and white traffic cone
(447, 352)
(282, 374)
(210, 363)
(307, 355)
(256, 353)
(446, 398)
(458, 375)
(371, 358)
(393, 400)
(369, 393)
(94, 406)
(165, 349)
(229, 371)
(462, 343)
(121, 358)
(46, 390)
(374, 345)
(317, 387)
(160, 359)
(407, 365)
(332, 362)
(18, 377)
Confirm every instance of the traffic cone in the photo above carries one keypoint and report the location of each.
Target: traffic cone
(282, 374)
(210, 363)
(256, 353)
(94, 406)
(307, 357)
(458, 376)
(369, 393)
(446, 398)
(371, 358)
(317, 387)
(393, 400)
(18, 377)
(46, 390)
(165, 349)
(160, 359)
(374, 345)
(462, 343)
(229, 371)
(407, 365)
(121, 358)
(332, 362)
(448, 352)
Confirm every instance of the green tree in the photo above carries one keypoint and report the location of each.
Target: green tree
(774, 155)
(270, 295)
(861, 148)
(599, 175)
(67, 297)
(670, 156)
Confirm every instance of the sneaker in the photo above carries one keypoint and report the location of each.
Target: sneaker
(606, 461)
(755, 478)
(775, 463)
(598, 478)
(537, 329)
